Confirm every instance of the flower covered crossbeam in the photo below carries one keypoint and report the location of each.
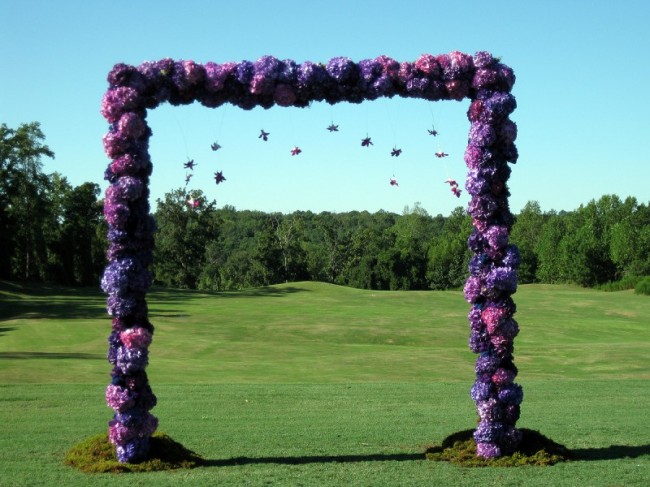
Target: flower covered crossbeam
(134, 90)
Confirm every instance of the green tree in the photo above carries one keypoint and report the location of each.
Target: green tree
(526, 232)
(448, 255)
(23, 206)
(183, 232)
(80, 239)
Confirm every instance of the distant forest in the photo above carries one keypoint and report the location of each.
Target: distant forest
(53, 232)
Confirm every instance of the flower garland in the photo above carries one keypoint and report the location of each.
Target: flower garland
(269, 81)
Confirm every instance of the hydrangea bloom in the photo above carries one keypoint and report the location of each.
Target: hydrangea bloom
(270, 81)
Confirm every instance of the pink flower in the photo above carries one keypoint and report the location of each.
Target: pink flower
(136, 337)
(493, 317)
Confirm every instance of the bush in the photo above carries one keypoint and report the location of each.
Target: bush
(628, 282)
(643, 286)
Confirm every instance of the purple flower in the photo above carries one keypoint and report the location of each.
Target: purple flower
(216, 75)
(476, 156)
(481, 134)
(472, 289)
(117, 101)
(247, 85)
(476, 242)
(131, 126)
(487, 363)
(488, 432)
(489, 411)
(497, 236)
(121, 306)
(477, 264)
(502, 279)
(499, 106)
(133, 451)
(128, 164)
(118, 398)
(416, 87)
(479, 341)
(118, 434)
(485, 78)
(488, 450)
(511, 394)
(342, 69)
(132, 360)
(116, 144)
(475, 318)
(483, 59)
(125, 75)
(125, 275)
(512, 257)
(481, 391)
(476, 184)
(113, 345)
(244, 72)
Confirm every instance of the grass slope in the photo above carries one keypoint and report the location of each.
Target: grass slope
(314, 332)
(313, 384)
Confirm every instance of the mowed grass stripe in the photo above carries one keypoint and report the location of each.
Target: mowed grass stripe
(321, 333)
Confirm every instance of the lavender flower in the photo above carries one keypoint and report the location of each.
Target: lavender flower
(132, 360)
(488, 450)
(511, 394)
(342, 69)
(487, 363)
(117, 101)
(118, 398)
(481, 391)
(489, 411)
(489, 432)
(472, 289)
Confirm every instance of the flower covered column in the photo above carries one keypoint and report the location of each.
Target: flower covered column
(493, 276)
(127, 278)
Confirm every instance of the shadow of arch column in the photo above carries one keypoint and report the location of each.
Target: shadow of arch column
(267, 82)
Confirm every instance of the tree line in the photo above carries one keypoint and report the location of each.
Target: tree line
(222, 249)
(54, 232)
(49, 230)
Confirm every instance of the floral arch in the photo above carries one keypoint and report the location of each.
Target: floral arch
(455, 76)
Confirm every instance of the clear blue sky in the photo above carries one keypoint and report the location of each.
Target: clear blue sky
(582, 91)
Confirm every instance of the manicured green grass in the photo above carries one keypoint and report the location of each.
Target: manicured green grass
(312, 384)
(314, 332)
(331, 434)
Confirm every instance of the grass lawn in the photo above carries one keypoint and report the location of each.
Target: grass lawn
(313, 384)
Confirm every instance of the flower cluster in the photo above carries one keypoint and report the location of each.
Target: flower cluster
(493, 267)
(133, 90)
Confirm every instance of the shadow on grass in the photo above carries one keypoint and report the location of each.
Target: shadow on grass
(5, 329)
(51, 356)
(377, 457)
(43, 301)
(612, 452)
